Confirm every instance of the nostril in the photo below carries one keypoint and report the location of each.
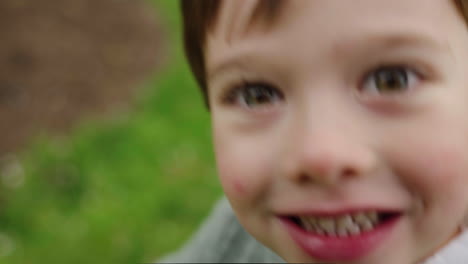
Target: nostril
(304, 178)
(349, 172)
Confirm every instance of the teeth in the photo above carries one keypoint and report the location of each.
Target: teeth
(373, 216)
(354, 230)
(309, 224)
(341, 226)
(366, 226)
(327, 224)
(344, 221)
(360, 218)
(342, 232)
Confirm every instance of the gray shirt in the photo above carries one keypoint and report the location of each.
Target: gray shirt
(221, 239)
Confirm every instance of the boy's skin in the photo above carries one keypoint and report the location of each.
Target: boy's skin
(324, 138)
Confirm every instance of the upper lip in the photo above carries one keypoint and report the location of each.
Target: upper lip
(338, 211)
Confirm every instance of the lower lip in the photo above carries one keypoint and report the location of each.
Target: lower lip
(339, 249)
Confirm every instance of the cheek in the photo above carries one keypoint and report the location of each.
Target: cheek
(437, 170)
(446, 170)
(231, 175)
(244, 167)
(243, 174)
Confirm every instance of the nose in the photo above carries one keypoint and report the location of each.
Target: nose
(329, 158)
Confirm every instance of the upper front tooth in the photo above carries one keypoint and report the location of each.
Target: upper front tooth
(342, 232)
(366, 225)
(362, 218)
(373, 217)
(354, 229)
(308, 223)
(327, 224)
(342, 225)
(344, 221)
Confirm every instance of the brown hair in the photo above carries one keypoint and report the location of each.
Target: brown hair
(199, 16)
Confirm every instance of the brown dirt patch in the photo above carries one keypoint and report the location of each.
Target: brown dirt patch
(63, 60)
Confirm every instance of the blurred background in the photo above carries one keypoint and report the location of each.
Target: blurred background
(105, 150)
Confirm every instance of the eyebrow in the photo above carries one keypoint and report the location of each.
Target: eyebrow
(226, 65)
(402, 39)
(372, 41)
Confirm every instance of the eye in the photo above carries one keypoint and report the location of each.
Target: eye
(390, 80)
(255, 95)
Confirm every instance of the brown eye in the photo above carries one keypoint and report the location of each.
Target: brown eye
(390, 80)
(254, 95)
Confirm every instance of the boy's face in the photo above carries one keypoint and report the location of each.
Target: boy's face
(336, 111)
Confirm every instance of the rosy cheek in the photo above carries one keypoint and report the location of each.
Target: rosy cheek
(243, 176)
(232, 179)
(235, 188)
(442, 169)
(244, 166)
(238, 187)
(448, 167)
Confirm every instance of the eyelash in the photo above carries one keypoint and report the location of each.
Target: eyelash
(411, 78)
(234, 96)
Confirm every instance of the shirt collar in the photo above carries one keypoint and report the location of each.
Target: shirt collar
(456, 252)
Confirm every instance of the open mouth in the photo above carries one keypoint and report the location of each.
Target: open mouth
(345, 225)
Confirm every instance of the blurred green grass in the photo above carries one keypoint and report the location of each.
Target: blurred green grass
(127, 190)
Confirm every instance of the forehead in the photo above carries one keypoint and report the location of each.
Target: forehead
(239, 16)
(319, 21)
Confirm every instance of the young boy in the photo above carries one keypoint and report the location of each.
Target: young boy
(340, 128)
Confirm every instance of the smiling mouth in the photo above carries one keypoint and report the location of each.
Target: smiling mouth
(344, 225)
